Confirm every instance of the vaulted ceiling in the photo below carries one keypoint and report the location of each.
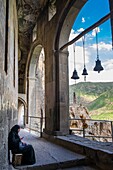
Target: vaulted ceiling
(28, 13)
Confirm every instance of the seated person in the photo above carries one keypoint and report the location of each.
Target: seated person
(17, 146)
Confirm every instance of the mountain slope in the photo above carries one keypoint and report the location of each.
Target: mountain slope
(105, 99)
(97, 97)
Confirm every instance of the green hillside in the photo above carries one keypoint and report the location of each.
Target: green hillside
(105, 99)
(97, 97)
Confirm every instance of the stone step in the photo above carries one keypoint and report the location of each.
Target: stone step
(81, 168)
(69, 163)
(62, 165)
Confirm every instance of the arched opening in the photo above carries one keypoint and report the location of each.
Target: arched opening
(36, 89)
(22, 108)
(92, 99)
(65, 26)
(69, 14)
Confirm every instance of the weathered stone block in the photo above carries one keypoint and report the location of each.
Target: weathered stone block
(91, 153)
(106, 157)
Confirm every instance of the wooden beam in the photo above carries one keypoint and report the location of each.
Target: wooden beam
(102, 20)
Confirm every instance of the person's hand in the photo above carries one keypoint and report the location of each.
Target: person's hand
(21, 138)
(24, 143)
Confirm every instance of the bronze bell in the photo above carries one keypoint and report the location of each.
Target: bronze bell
(75, 75)
(84, 72)
(98, 66)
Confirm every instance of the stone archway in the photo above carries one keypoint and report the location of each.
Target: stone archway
(66, 21)
(22, 109)
(36, 82)
(35, 91)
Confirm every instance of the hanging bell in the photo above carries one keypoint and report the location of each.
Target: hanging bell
(98, 66)
(75, 75)
(84, 72)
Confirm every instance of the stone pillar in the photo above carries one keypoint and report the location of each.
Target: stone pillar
(64, 92)
(57, 97)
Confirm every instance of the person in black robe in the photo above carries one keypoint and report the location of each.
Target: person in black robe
(17, 146)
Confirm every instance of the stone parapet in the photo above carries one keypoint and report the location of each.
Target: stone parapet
(99, 153)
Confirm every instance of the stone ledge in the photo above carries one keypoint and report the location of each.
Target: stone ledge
(99, 153)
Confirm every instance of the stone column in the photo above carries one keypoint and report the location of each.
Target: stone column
(62, 92)
(57, 96)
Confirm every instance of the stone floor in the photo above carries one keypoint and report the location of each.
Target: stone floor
(51, 156)
(54, 155)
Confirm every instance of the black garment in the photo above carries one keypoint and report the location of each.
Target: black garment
(14, 139)
(28, 155)
(14, 145)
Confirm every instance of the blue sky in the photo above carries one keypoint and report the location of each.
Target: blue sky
(93, 11)
(99, 10)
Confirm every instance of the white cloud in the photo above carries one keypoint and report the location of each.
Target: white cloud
(83, 19)
(94, 32)
(103, 76)
(105, 53)
(108, 64)
(102, 46)
(72, 31)
(80, 30)
(74, 34)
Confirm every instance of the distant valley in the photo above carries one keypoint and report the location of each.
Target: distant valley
(96, 96)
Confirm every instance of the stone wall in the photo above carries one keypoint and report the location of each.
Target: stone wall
(52, 34)
(8, 77)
